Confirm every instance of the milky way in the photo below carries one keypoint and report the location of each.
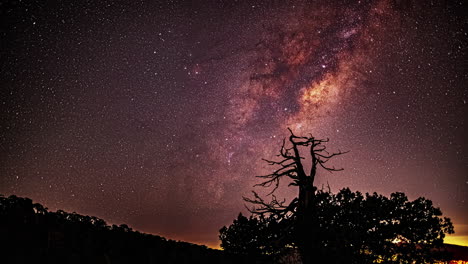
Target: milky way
(158, 114)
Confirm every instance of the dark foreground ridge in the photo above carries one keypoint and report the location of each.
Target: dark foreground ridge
(459, 253)
(29, 233)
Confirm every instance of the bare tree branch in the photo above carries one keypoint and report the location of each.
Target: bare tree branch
(290, 166)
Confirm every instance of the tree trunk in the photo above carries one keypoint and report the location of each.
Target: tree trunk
(305, 222)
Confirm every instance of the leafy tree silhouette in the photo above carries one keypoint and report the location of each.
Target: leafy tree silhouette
(245, 236)
(254, 236)
(344, 228)
(352, 228)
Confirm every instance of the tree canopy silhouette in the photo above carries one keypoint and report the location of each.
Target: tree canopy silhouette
(351, 228)
(254, 236)
(348, 227)
(29, 233)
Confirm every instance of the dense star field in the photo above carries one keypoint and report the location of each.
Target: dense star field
(157, 115)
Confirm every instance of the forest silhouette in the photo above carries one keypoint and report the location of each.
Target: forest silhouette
(29, 233)
(317, 226)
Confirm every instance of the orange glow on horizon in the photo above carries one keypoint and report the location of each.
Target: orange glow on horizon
(460, 237)
(456, 240)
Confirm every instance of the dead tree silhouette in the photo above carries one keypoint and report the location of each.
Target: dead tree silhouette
(301, 208)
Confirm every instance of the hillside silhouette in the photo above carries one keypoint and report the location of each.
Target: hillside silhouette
(29, 233)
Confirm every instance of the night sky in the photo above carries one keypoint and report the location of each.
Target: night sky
(157, 115)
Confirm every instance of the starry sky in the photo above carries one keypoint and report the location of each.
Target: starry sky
(157, 113)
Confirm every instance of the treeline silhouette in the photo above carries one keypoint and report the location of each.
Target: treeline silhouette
(29, 233)
(317, 226)
(349, 228)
